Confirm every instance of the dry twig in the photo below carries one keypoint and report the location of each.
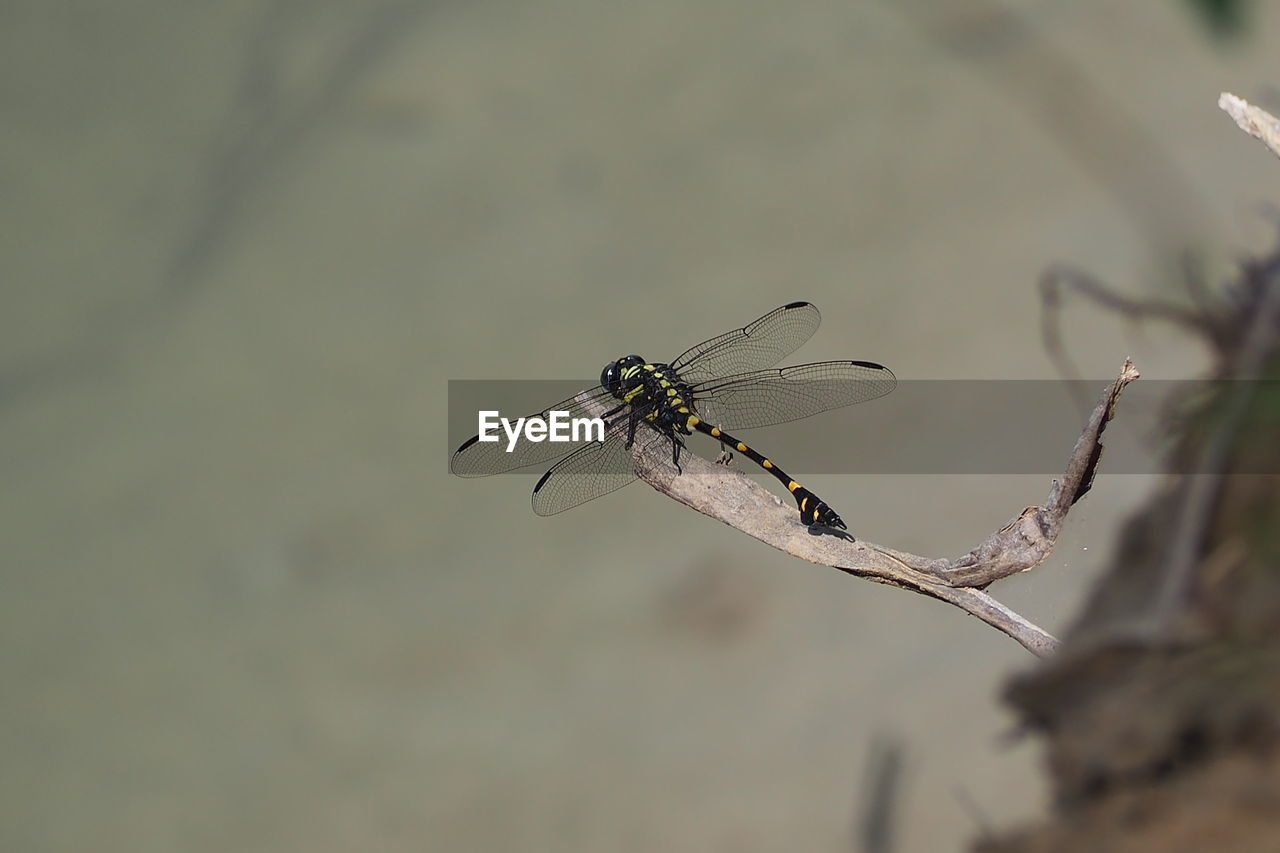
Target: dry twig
(1254, 121)
(1023, 543)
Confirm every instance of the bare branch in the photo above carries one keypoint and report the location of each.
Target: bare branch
(1060, 279)
(1254, 121)
(730, 496)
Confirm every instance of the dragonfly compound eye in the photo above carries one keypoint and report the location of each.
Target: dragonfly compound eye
(609, 376)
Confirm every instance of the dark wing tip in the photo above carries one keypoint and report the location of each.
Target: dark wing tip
(880, 368)
(453, 463)
(533, 499)
(801, 304)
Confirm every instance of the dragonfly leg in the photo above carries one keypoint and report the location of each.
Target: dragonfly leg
(726, 455)
(676, 446)
(631, 428)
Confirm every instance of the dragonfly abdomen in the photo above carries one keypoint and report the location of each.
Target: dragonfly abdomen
(813, 509)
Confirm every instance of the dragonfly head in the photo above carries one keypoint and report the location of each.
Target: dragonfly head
(616, 373)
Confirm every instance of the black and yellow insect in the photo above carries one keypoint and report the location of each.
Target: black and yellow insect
(724, 383)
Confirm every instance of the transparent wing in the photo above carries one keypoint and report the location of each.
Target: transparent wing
(596, 470)
(475, 458)
(588, 473)
(760, 344)
(766, 397)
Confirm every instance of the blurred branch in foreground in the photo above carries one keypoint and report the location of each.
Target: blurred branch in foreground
(1159, 712)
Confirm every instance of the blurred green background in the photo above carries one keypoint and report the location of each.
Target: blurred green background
(245, 607)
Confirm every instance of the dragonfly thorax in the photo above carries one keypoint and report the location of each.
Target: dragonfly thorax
(652, 391)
